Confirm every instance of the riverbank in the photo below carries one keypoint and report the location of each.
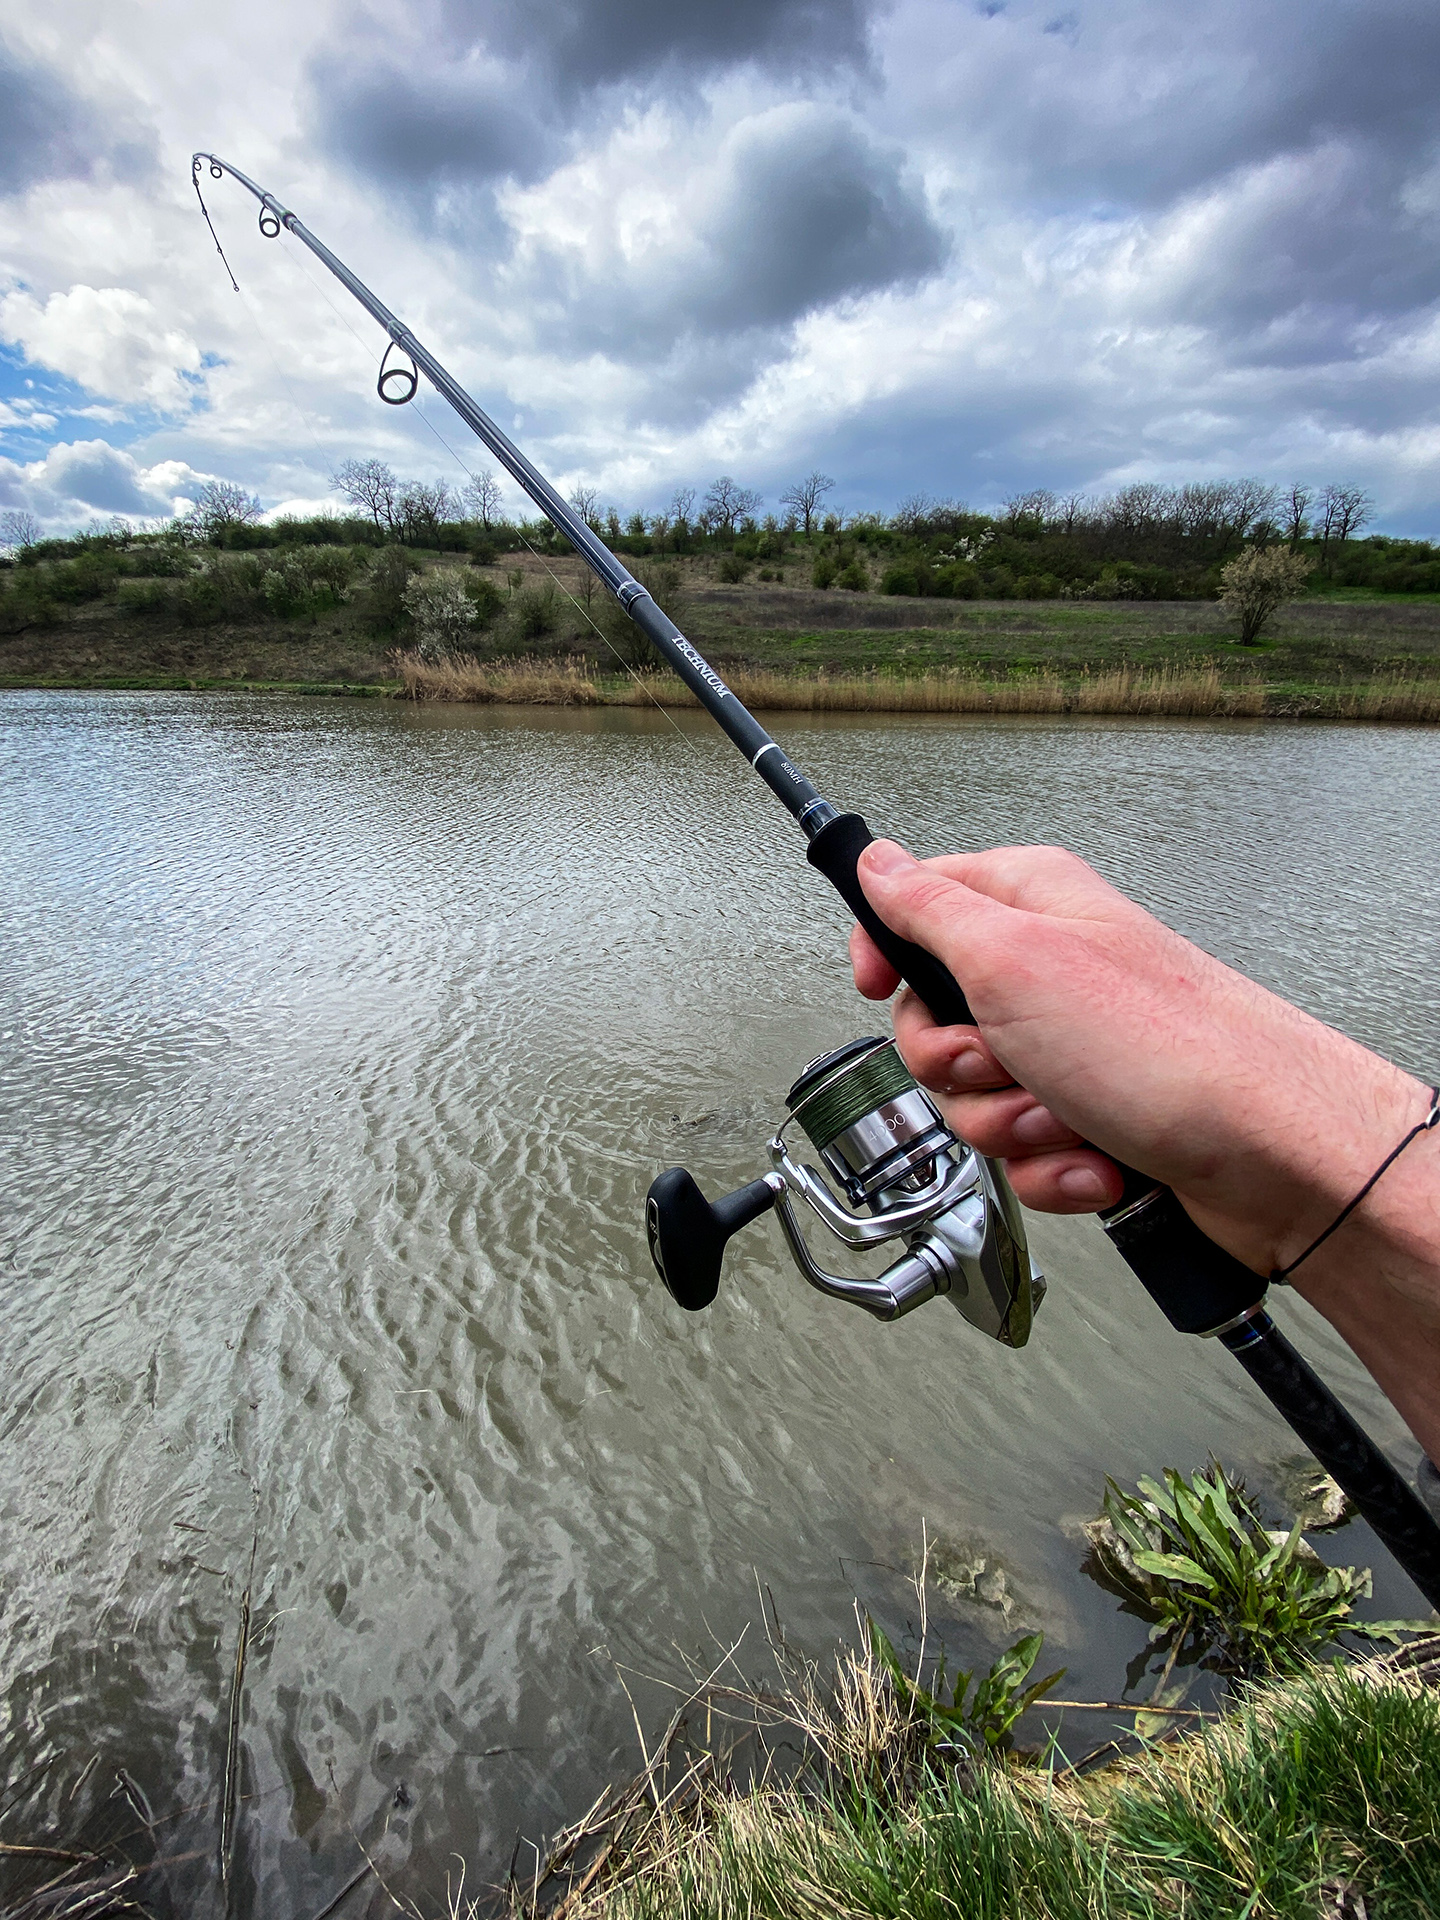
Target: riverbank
(1165, 691)
(793, 646)
(1318, 1796)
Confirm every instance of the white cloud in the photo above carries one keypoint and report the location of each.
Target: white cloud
(109, 340)
(79, 479)
(25, 413)
(1168, 242)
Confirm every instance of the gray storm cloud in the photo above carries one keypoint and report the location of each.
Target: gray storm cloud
(52, 132)
(496, 91)
(584, 44)
(801, 209)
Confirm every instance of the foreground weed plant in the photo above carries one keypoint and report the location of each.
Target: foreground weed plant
(1197, 1555)
(985, 1718)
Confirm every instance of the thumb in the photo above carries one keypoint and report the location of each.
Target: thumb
(937, 913)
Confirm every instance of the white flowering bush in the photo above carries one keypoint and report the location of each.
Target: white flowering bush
(442, 611)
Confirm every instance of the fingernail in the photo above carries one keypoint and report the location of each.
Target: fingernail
(1081, 1183)
(968, 1069)
(1037, 1127)
(883, 856)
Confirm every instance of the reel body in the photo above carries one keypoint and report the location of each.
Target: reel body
(895, 1172)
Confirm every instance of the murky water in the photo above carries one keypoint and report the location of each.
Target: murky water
(340, 1042)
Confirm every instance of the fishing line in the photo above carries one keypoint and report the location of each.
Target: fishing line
(195, 182)
(579, 607)
(254, 319)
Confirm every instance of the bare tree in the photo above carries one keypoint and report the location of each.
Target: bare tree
(422, 510)
(1069, 509)
(1143, 507)
(18, 529)
(1219, 514)
(680, 506)
(1343, 511)
(370, 487)
(1036, 506)
(805, 497)
(482, 497)
(222, 505)
(1294, 506)
(1258, 582)
(728, 502)
(912, 513)
(586, 503)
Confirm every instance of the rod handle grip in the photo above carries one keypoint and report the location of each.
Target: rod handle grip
(1197, 1285)
(835, 851)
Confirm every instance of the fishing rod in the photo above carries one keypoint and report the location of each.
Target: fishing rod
(897, 1171)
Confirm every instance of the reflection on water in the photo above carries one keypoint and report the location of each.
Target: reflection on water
(340, 1042)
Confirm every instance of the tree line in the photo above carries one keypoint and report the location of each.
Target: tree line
(1144, 540)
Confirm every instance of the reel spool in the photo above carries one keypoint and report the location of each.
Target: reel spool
(896, 1172)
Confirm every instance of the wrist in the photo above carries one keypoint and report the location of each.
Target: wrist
(1298, 1119)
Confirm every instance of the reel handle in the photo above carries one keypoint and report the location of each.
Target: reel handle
(1197, 1285)
(688, 1234)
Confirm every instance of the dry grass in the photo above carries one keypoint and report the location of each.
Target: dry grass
(1313, 1796)
(461, 679)
(1166, 692)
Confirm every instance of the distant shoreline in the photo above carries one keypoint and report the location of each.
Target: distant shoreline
(1173, 692)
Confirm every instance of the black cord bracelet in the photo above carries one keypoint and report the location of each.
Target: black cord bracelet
(1282, 1274)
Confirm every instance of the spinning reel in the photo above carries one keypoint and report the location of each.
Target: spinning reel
(903, 1176)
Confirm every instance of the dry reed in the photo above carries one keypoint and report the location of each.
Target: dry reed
(1164, 692)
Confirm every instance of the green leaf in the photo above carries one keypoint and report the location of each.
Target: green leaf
(1176, 1566)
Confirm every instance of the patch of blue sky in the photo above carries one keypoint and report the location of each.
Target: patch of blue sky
(40, 409)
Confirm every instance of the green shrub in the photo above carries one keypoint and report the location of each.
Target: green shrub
(733, 568)
(854, 577)
(161, 559)
(958, 581)
(227, 586)
(390, 574)
(26, 603)
(534, 612)
(91, 576)
(824, 571)
(488, 599)
(143, 597)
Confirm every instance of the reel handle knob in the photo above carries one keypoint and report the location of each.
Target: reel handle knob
(687, 1232)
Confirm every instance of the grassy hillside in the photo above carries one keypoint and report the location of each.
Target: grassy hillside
(335, 621)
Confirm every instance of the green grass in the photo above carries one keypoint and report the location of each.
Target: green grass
(1331, 1782)
(1333, 640)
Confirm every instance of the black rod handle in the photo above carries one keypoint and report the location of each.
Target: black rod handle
(1345, 1450)
(835, 851)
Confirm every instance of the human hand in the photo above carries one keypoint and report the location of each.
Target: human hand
(1097, 1024)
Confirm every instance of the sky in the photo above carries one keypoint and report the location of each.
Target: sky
(960, 247)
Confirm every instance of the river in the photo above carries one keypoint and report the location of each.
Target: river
(340, 1041)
